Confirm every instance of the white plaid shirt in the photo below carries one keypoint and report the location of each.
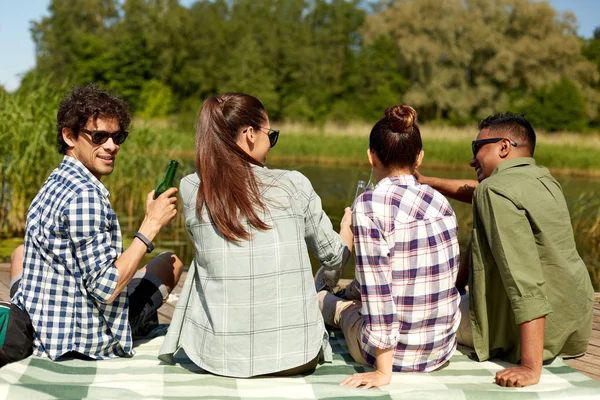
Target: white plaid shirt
(407, 256)
(72, 239)
(250, 308)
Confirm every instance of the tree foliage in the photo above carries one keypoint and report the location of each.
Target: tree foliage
(470, 58)
(591, 50)
(559, 107)
(317, 60)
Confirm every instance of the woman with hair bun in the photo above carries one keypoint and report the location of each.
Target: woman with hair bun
(401, 311)
(249, 306)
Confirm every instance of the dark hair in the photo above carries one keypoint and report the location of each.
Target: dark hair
(513, 125)
(396, 138)
(84, 102)
(228, 186)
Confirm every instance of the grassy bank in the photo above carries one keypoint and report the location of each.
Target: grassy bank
(445, 147)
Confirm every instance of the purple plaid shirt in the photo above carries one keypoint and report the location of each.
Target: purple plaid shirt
(407, 257)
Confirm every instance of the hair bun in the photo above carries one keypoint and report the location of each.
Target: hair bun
(402, 118)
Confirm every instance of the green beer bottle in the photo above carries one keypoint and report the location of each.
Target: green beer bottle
(168, 181)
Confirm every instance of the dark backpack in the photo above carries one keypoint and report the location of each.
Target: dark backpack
(16, 333)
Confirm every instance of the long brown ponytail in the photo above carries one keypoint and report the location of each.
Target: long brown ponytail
(228, 186)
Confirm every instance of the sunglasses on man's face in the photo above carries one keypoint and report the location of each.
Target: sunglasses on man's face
(100, 137)
(478, 144)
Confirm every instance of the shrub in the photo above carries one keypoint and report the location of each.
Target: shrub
(558, 108)
(156, 100)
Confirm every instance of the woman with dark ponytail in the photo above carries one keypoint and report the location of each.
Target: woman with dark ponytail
(401, 311)
(249, 306)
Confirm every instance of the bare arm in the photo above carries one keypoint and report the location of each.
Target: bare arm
(159, 213)
(346, 228)
(457, 189)
(532, 352)
(380, 377)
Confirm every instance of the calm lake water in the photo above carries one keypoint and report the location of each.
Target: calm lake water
(337, 185)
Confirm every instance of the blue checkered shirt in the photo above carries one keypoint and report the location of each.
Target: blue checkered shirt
(72, 240)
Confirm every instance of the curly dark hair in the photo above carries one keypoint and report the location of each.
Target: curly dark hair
(85, 102)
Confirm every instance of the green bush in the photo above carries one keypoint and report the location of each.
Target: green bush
(560, 107)
(156, 100)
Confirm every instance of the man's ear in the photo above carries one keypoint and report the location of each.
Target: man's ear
(505, 148)
(68, 137)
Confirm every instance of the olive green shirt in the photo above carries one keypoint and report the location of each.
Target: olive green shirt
(524, 265)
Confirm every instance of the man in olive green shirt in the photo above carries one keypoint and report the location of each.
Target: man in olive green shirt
(530, 295)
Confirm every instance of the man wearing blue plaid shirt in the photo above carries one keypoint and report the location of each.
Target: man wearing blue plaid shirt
(83, 293)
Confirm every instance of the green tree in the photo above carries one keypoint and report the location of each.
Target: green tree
(130, 60)
(331, 58)
(464, 58)
(561, 107)
(379, 82)
(171, 38)
(71, 40)
(205, 39)
(591, 50)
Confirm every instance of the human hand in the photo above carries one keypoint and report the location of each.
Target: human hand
(162, 210)
(367, 380)
(517, 376)
(346, 222)
(417, 175)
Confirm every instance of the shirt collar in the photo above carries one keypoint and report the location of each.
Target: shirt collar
(71, 163)
(258, 166)
(401, 180)
(512, 163)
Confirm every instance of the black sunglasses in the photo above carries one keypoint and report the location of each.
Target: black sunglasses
(273, 135)
(100, 137)
(477, 144)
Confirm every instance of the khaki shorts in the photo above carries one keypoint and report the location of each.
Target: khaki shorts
(345, 314)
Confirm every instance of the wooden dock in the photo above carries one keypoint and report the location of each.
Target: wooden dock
(589, 364)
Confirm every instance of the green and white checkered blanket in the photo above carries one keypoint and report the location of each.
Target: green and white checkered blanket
(144, 376)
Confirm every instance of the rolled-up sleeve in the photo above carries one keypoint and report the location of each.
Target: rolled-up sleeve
(89, 226)
(513, 246)
(374, 273)
(322, 240)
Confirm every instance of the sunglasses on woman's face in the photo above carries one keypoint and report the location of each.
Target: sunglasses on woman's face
(273, 135)
(100, 137)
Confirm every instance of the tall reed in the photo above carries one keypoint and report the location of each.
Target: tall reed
(586, 226)
(27, 150)
(28, 154)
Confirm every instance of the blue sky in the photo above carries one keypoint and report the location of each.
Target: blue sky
(18, 53)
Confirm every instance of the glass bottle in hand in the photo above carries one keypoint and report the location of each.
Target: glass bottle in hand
(169, 180)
